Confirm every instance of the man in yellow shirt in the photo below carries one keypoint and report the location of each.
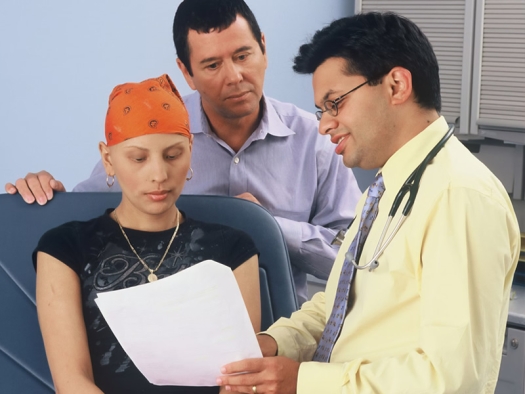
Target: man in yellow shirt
(430, 318)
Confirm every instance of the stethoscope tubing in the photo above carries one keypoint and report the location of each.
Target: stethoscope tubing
(411, 186)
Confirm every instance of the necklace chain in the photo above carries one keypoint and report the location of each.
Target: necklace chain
(151, 277)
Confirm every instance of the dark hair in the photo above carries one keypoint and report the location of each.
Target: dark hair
(204, 16)
(372, 44)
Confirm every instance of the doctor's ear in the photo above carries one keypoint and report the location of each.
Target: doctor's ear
(399, 81)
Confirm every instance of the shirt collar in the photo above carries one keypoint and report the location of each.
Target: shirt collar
(270, 123)
(405, 160)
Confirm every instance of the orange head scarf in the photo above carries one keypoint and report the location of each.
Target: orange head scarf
(152, 106)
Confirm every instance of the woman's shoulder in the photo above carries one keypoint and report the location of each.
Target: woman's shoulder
(70, 242)
(76, 228)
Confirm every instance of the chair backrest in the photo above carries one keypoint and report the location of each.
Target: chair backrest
(23, 365)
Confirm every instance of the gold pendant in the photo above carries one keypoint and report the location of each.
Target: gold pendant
(152, 277)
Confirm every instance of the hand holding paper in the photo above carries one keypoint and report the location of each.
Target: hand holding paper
(182, 329)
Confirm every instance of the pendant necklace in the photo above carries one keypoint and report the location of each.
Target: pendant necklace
(151, 277)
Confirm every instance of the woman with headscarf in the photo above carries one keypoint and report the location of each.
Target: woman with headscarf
(145, 238)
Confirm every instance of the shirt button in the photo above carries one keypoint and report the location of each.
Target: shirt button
(236, 160)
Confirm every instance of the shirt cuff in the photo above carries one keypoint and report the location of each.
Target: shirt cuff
(288, 346)
(281, 336)
(292, 232)
(315, 378)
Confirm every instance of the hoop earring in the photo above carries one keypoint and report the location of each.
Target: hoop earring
(191, 176)
(110, 180)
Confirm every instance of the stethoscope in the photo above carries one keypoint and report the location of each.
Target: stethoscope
(411, 186)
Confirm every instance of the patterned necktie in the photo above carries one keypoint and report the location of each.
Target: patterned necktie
(335, 322)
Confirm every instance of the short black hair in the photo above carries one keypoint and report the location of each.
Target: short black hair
(372, 44)
(204, 16)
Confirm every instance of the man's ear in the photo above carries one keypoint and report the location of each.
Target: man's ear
(399, 81)
(186, 74)
(106, 158)
(263, 41)
(191, 142)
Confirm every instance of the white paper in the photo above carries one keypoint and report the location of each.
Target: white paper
(182, 329)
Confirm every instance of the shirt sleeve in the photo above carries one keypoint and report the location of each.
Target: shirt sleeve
(62, 244)
(97, 181)
(309, 243)
(297, 336)
(468, 256)
(241, 249)
(224, 244)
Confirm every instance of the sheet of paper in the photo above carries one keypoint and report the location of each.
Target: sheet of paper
(182, 329)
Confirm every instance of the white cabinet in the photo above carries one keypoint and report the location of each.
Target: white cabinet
(512, 371)
(512, 377)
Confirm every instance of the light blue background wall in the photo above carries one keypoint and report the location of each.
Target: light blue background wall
(59, 60)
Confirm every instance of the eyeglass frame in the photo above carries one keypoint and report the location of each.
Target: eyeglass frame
(336, 102)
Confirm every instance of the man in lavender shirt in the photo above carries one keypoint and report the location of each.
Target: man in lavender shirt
(247, 144)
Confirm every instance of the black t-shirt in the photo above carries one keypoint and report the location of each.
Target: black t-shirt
(97, 251)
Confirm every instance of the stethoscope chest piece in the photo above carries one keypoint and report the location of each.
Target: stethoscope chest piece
(372, 265)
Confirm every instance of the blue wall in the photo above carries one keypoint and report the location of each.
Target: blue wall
(59, 60)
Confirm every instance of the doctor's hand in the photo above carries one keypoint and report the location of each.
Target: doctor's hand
(36, 187)
(273, 375)
(249, 197)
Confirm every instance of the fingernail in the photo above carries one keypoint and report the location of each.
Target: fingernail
(219, 381)
(41, 201)
(223, 370)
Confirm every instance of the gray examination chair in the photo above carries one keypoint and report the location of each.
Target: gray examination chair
(23, 365)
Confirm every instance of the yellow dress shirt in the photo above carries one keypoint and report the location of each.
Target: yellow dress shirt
(431, 318)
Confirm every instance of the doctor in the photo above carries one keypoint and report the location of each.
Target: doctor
(431, 316)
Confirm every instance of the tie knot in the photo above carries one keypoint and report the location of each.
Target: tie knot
(377, 188)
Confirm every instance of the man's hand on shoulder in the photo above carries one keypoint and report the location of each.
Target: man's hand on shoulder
(38, 187)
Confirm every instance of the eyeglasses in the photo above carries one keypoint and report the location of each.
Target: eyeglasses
(332, 106)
